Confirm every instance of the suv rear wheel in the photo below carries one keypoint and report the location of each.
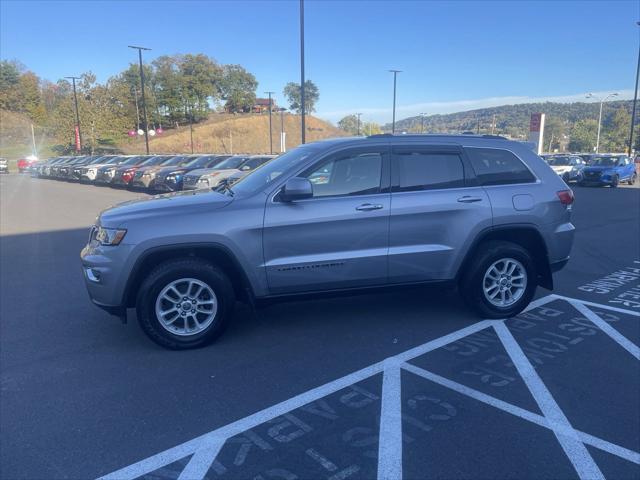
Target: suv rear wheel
(185, 303)
(501, 281)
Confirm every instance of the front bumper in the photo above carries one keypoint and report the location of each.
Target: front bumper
(104, 275)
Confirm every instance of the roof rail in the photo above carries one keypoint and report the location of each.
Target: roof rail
(387, 135)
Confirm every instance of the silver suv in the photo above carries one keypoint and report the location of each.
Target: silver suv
(350, 213)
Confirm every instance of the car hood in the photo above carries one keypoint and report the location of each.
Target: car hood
(163, 205)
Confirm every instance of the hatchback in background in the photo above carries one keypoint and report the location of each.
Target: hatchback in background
(59, 171)
(609, 169)
(569, 167)
(171, 178)
(4, 165)
(75, 172)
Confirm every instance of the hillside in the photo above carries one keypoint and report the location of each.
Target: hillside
(234, 134)
(512, 120)
(15, 136)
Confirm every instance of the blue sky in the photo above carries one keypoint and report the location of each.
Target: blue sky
(455, 55)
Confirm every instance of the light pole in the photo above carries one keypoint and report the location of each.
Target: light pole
(358, 115)
(75, 101)
(635, 98)
(270, 134)
(283, 146)
(602, 100)
(393, 123)
(302, 109)
(144, 103)
(422, 115)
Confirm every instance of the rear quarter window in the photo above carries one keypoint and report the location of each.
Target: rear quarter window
(495, 166)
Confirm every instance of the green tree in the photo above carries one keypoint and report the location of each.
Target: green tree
(554, 131)
(370, 128)
(9, 85)
(238, 88)
(200, 82)
(349, 124)
(311, 96)
(614, 136)
(583, 136)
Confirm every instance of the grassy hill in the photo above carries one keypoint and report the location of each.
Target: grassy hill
(512, 120)
(15, 136)
(227, 133)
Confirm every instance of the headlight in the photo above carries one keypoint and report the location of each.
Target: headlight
(110, 236)
(203, 181)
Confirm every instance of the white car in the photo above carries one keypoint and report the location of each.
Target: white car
(569, 167)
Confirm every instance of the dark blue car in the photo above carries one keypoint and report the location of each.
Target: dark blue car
(609, 170)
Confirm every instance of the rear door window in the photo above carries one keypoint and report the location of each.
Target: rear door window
(423, 170)
(494, 166)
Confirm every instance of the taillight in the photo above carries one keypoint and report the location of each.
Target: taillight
(566, 197)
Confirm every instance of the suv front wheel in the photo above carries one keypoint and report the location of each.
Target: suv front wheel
(501, 281)
(185, 303)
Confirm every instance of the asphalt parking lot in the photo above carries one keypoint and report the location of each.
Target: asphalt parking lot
(404, 384)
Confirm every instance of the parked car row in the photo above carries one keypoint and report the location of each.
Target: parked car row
(594, 169)
(152, 173)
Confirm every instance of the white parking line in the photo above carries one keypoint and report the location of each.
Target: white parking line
(390, 437)
(598, 443)
(572, 446)
(206, 447)
(623, 341)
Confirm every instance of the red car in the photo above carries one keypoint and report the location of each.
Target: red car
(25, 163)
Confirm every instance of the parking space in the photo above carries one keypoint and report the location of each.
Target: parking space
(406, 384)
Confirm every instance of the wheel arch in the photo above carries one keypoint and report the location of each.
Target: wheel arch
(527, 236)
(213, 252)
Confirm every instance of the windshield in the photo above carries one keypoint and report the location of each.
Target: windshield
(154, 161)
(231, 162)
(267, 173)
(174, 161)
(559, 161)
(201, 162)
(131, 161)
(604, 161)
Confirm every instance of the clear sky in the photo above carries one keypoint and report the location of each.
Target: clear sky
(455, 55)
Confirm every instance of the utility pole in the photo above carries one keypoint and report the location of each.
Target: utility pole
(283, 135)
(602, 100)
(302, 109)
(190, 124)
(358, 115)
(33, 140)
(393, 123)
(422, 115)
(75, 100)
(635, 98)
(144, 103)
(270, 134)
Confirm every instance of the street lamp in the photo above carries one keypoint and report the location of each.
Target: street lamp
(302, 109)
(270, 135)
(358, 115)
(635, 98)
(602, 100)
(75, 101)
(393, 123)
(422, 115)
(144, 103)
(283, 135)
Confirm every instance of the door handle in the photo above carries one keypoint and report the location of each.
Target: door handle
(469, 199)
(367, 207)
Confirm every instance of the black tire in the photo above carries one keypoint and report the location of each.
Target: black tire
(615, 181)
(172, 270)
(633, 179)
(566, 178)
(472, 281)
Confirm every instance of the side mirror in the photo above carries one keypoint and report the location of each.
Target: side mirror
(296, 188)
(245, 168)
